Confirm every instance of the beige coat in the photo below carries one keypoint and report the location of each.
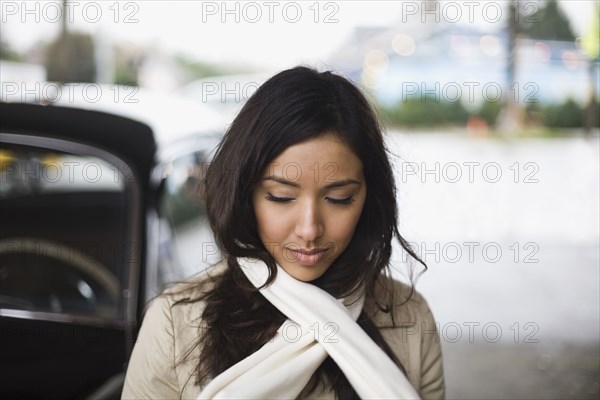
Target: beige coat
(169, 332)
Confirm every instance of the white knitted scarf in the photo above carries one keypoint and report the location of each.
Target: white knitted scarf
(318, 325)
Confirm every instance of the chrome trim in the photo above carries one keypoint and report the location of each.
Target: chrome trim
(188, 145)
(132, 190)
(185, 146)
(152, 237)
(63, 318)
(182, 147)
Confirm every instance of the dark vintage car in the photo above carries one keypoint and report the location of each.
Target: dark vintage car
(97, 213)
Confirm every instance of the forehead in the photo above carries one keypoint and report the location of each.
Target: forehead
(326, 153)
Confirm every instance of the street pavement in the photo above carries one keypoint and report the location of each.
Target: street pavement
(510, 232)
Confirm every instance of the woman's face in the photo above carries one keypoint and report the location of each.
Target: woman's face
(308, 203)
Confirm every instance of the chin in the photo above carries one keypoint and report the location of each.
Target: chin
(305, 273)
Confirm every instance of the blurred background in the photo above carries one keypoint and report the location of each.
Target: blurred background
(491, 115)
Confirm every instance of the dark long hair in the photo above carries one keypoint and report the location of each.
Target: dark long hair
(291, 107)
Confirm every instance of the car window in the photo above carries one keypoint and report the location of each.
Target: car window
(63, 235)
(186, 243)
(25, 171)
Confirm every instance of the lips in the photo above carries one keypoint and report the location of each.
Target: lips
(305, 256)
(309, 252)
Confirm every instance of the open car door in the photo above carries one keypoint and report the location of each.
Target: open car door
(72, 231)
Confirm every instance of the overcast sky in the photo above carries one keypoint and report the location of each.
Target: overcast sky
(271, 34)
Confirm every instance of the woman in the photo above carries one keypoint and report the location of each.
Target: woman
(301, 198)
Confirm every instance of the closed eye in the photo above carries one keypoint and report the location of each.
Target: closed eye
(346, 201)
(277, 199)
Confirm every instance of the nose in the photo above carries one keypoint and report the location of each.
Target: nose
(309, 225)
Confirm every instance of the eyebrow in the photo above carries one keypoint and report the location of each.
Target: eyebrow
(283, 181)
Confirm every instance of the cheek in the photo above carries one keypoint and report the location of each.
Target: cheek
(270, 227)
(344, 228)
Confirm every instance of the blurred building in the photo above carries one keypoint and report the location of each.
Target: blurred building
(449, 62)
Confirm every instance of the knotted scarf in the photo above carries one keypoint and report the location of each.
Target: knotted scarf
(318, 325)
